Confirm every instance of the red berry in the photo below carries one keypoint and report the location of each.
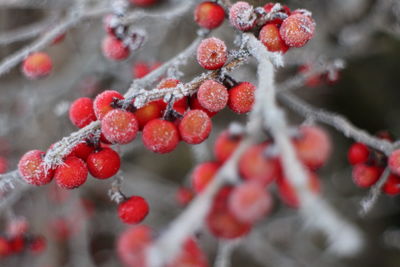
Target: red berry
(184, 195)
(38, 244)
(313, 146)
(365, 175)
(392, 185)
(82, 150)
(195, 104)
(114, 48)
(180, 105)
(394, 162)
(81, 112)
(17, 227)
(72, 173)
(61, 229)
(358, 153)
(212, 95)
(3, 165)
(160, 136)
(225, 145)
(255, 166)
(249, 202)
(16, 244)
(119, 126)
(104, 163)
(133, 210)
(140, 69)
(195, 127)
(203, 174)
(312, 81)
(143, 3)
(212, 53)
(241, 16)
(151, 111)
(297, 30)
(241, 97)
(132, 245)
(190, 256)
(103, 102)
(5, 248)
(59, 39)
(285, 9)
(209, 15)
(31, 168)
(270, 37)
(37, 65)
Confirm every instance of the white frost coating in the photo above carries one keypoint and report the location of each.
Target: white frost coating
(343, 237)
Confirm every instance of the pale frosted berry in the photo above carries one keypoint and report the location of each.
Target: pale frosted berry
(212, 95)
(241, 16)
(392, 185)
(394, 162)
(255, 165)
(114, 48)
(203, 174)
(212, 53)
(358, 153)
(103, 103)
(81, 112)
(104, 163)
(241, 97)
(225, 145)
(32, 170)
(365, 175)
(209, 15)
(271, 38)
(195, 104)
(195, 127)
(72, 173)
(190, 255)
(249, 202)
(150, 111)
(132, 245)
(133, 210)
(143, 3)
(297, 30)
(37, 65)
(160, 136)
(17, 226)
(119, 126)
(313, 146)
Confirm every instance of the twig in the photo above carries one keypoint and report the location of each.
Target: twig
(225, 249)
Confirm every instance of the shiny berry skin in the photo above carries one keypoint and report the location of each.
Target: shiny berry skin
(104, 163)
(119, 126)
(365, 175)
(184, 195)
(82, 151)
(37, 65)
(31, 168)
(255, 166)
(3, 165)
(313, 146)
(225, 145)
(209, 15)
(358, 153)
(241, 97)
(132, 245)
(203, 174)
(270, 37)
(249, 202)
(133, 210)
(285, 9)
(212, 95)
(103, 102)
(72, 173)
(195, 127)
(392, 185)
(297, 30)
(212, 53)
(143, 3)
(394, 162)
(241, 16)
(114, 49)
(81, 112)
(160, 136)
(150, 111)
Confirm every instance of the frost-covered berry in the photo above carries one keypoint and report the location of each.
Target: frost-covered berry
(82, 150)
(392, 185)
(72, 173)
(285, 9)
(212, 95)
(104, 163)
(132, 245)
(394, 162)
(114, 48)
(103, 102)
(255, 165)
(203, 174)
(151, 111)
(365, 175)
(249, 202)
(181, 104)
(143, 3)
(32, 170)
(37, 65)
(209, 15)
(160, 136)
(358, 153)
(212, 53)
(133, 210)
(241, 16)
(297, 30)
(225, 145)
(195, 104)
(81, 112)
(241, 97)
(271, 38)
(195, 127)
(119, 126)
